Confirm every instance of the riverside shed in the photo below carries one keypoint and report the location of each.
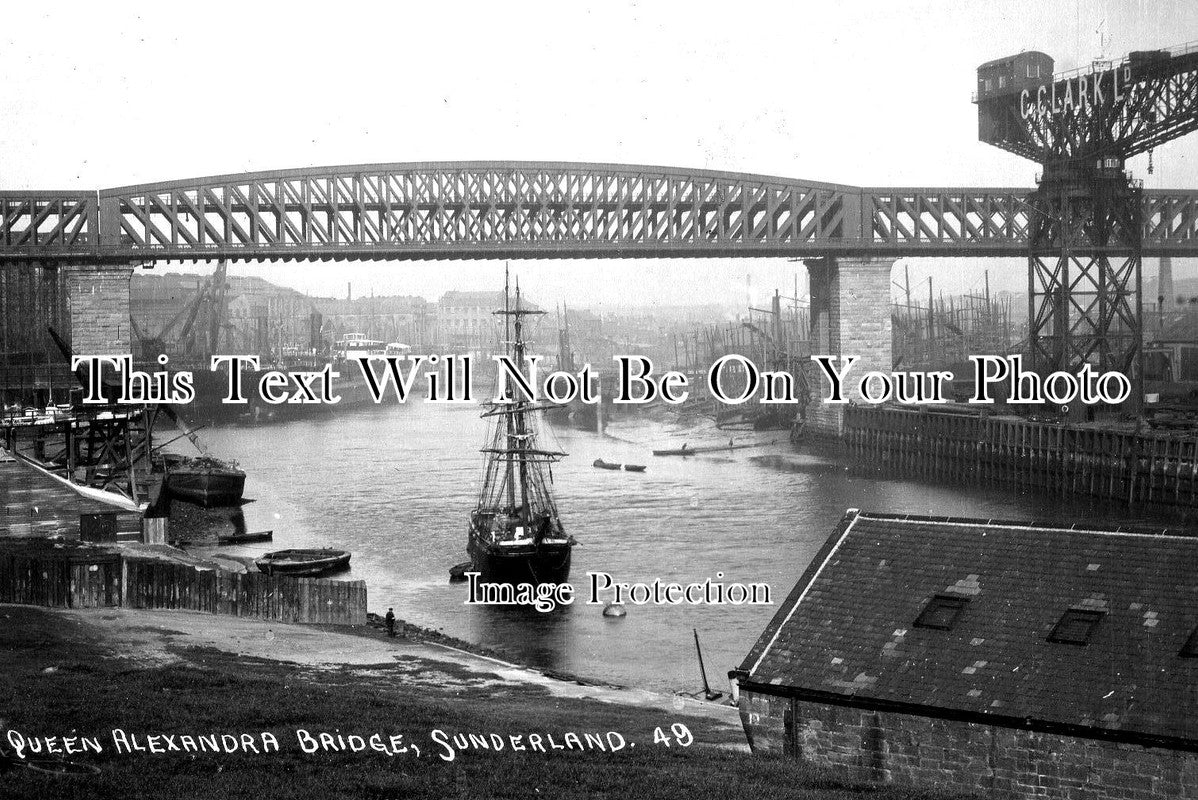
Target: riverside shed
(1012, 659)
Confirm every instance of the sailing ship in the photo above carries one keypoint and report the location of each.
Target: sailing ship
(515, 534)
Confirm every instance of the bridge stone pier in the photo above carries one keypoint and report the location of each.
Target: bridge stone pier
(98, 309)
(850, 316)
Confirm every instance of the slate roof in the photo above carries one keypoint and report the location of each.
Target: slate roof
(847, 631)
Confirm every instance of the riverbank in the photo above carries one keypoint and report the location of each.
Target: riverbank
(162, 680)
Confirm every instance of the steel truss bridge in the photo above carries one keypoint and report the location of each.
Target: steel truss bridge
(480, 210)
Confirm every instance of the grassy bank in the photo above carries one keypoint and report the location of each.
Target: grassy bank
(62, 680)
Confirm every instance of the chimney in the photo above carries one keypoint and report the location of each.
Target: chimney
(1164, 284)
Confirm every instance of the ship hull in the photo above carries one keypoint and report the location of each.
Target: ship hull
(516, 564)
(212, 387)
(207, 488)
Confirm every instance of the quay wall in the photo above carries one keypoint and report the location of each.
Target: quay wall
(980, 760)
(1151, 468)
(98, 579)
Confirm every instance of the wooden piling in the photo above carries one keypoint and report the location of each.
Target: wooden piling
(1126, 466)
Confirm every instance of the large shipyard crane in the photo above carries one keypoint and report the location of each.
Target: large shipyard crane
(1085, 221)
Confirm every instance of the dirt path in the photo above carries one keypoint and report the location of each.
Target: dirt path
(161, 637)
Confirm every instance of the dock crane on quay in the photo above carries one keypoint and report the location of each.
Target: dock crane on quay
(1086, 223)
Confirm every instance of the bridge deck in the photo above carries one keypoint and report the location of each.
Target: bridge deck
(481, 210)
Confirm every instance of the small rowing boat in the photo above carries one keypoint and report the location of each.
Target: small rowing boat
(601, 464)
(246, 538)
(303, 562)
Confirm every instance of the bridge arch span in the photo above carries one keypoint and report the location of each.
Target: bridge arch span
(477, 209)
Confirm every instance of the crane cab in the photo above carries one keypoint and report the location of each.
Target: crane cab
(1000, 83)
(1011, 75)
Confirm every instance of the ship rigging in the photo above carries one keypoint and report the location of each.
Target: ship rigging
(515, 533)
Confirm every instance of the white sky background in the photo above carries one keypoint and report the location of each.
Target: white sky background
(878, 93)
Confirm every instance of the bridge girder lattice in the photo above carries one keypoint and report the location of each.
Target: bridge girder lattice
(472, 210)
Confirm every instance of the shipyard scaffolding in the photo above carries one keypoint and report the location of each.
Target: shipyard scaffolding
(944, 331)
(775, 339)
(32, 373)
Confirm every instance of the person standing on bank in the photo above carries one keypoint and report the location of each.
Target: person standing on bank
(390, 618)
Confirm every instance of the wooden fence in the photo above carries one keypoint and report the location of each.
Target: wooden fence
(156, 584)
(1116, 465)
(76, 579)
(66, 579)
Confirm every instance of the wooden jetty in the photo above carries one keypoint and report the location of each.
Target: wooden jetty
(106, 448)
(1122, 465)
(34, 505)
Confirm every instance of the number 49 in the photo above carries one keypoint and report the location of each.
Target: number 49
(682, 736)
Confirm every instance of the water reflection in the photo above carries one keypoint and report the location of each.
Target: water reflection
(547, 636)
(395, 485)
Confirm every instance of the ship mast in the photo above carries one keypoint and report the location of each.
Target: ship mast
(507, 338)
(521, 428)
(517, 428)
(513, 452)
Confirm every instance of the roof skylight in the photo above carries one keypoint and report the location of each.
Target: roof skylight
(1076, 626)
(941, 612)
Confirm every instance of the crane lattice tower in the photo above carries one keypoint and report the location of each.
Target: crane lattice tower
(1085, 221)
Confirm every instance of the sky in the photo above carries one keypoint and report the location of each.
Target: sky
(99, 95)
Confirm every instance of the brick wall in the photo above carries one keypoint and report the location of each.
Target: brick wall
(98, 300)
(850, 302)
(989, 761)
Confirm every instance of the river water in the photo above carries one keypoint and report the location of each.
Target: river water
(395, 485)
